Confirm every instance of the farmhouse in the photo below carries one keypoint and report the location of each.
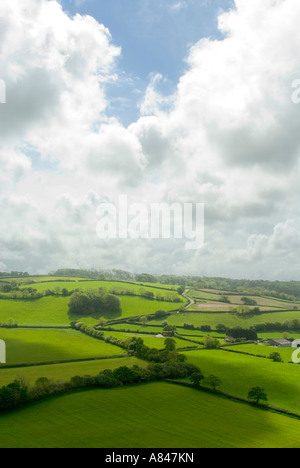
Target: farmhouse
(229, 339)
(279, 343)
(296, 344)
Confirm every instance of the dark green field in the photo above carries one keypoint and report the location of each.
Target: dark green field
(148, 416)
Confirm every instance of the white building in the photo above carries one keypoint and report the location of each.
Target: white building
(296, 344)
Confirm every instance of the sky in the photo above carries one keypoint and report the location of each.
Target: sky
(172, 101)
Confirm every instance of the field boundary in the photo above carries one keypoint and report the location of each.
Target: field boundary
(65, 361)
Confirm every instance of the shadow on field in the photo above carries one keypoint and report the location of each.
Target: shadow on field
(97, 316)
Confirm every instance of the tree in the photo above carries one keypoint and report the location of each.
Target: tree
(248, 301)
(211, 343)
(196, 378)
(125, 375)
(170, 344)
(93, 302)
(275, 357)
(112, 304)
(79, 304)
(257, 394)
(239, 332)
(212, 381)
(144, 320)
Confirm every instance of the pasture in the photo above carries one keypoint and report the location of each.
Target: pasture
(65, 371)
(239, 373)
(108, 286)
(40, 345)
(53, 310)
(149, 340)
(228, 319)
(145, 416)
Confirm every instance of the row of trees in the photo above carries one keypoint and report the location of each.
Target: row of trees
(135, 346)
(287, 325)
(158, 296)
(255, 394)
(19, 393)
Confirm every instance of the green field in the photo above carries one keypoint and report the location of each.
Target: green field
(53, 310)
(37, 345)
(145, 416)
(230, 320)
(264, 350)
(64, 372)
(106, 285)
(239, 373)
(155, 415)
(149, 340)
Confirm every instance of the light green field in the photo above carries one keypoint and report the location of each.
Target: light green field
(38, 345)
(64, 372)
(107, 285)
(230, 320)
(149, 340)
(51, 279)
(145, 416)
(199, 334)
(239, 373)
(54, 310)
(38, 279)
(264, 350)
(44, 311)
(132, 306)
(274, 335)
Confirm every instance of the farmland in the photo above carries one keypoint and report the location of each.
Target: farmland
(145, 416)
(65, 371)
(53, 310)
(44, 345)
(43, 341)
(240, 372)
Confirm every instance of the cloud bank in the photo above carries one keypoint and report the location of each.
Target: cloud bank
(228, 137)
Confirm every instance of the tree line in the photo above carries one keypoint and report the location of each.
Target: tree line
(20, 393)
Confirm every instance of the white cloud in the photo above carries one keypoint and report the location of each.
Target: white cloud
(228, 137)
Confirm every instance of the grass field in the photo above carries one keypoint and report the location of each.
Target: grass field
(279, 334)
(64, 372)
(239, 373)
(151, 415)
(149, 340)
(145, 416)
(230, 320)
(107, 285)
(264, 350)
(37, 345)
(54, 310)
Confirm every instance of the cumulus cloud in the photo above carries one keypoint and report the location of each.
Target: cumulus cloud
(228, 137)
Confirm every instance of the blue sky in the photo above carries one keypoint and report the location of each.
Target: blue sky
(155, 37)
